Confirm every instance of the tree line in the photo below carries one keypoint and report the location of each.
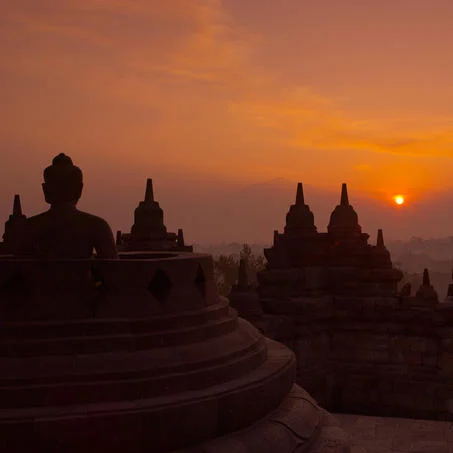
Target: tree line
(226, 268)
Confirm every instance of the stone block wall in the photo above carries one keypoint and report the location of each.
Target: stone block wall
(378, 356)
(304, 326)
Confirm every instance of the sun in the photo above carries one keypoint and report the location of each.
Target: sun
(399, 199)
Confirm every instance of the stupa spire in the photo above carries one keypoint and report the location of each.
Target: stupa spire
(17, 207)
(380, 238)
(180, 239)
(242, 276)
(300, 194)
(275, 238)
(344, 195)
(426, 279)
(149, 194)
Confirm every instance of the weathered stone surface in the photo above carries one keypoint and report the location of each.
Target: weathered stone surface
(371, 352)
(131, 355)
(299, 425)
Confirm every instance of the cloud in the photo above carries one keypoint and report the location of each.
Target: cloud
(308, 120)
(180, 81)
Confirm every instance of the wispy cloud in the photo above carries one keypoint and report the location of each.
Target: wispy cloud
(181, 78)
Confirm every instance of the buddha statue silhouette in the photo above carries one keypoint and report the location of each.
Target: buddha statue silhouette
(63, 231)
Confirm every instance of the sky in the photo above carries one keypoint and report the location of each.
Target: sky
(209, 97)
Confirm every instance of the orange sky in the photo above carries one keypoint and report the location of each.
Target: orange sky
(232, 91)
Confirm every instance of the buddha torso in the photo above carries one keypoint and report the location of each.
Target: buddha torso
(67, 233)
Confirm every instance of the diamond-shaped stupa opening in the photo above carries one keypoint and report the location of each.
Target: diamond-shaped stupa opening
(160, 286)
(200, 281)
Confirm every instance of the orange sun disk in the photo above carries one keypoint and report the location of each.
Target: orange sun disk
(399, 199)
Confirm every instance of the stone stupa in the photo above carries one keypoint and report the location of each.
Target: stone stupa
(303, 262)
(13, 227)
(149, 231)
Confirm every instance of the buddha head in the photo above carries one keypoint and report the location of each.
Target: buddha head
(63, 181)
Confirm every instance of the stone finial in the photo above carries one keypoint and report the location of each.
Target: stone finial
(380, 238)
(243, 282)
(17, 207)
(149, 193)
(426, 279)
(275, 238)
(119, 238)
(344, 195)
(180, 239)
(300, 194)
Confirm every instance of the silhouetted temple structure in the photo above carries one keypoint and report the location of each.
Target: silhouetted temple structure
(304, 262)
(141, 354)
(13, 227)
(426, 292)
(138, 354)
(149, 233)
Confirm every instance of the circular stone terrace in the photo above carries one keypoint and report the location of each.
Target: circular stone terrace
(138, 354)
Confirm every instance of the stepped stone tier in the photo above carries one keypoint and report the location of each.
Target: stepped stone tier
(13, 226)
(139, 354)
(149, 231)
(304, 262)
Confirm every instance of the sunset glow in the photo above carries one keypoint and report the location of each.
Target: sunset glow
(213, 95)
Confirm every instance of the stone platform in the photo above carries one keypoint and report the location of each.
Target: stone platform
(397, 435)
(140, 354)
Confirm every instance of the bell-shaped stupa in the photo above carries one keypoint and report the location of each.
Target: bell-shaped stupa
(300, 221)
(344, 221)
(426, 292)
(13, 227)
(149, 232)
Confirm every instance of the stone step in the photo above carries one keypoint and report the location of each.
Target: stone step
(92, 327)
(158, 424)
(108, 342)
(101, 377)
